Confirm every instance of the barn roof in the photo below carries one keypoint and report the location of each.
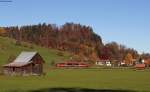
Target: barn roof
(23, 59)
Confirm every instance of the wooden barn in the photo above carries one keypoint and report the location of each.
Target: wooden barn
(27, 63)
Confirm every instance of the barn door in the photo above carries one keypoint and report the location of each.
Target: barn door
(36, 69)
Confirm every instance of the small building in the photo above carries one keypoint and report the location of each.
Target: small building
(27, 63)
(147, 62)
(103, 62)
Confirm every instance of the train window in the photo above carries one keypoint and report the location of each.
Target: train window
(69, 64)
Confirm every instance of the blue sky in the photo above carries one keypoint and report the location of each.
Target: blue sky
(124, 21)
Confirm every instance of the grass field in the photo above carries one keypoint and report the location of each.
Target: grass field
(80, 80)
(68, 80)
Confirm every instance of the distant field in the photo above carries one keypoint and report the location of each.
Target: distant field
(80, 80)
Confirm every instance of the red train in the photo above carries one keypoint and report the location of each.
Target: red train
(72, 64)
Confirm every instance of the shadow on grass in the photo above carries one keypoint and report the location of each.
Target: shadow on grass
(79, 90)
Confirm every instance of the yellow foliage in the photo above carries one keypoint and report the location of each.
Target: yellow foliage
(2, 31)
(129, 59)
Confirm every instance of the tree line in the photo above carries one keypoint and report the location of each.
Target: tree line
(77, 39)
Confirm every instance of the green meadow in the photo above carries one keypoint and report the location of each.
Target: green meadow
(99, 79)
(68, 80)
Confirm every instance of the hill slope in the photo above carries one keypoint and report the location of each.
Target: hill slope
(74, 38)
(8, 48)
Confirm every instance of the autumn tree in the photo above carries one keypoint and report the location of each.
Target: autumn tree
(129, 59)
(113, 51)
(145, 55)
(2, 31)
(74, 38)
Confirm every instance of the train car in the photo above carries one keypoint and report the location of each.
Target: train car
(72, 64)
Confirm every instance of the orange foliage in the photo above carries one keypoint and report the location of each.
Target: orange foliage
(129, 59)
(2, 31)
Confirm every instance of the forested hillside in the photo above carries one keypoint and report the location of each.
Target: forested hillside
(75, 38)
